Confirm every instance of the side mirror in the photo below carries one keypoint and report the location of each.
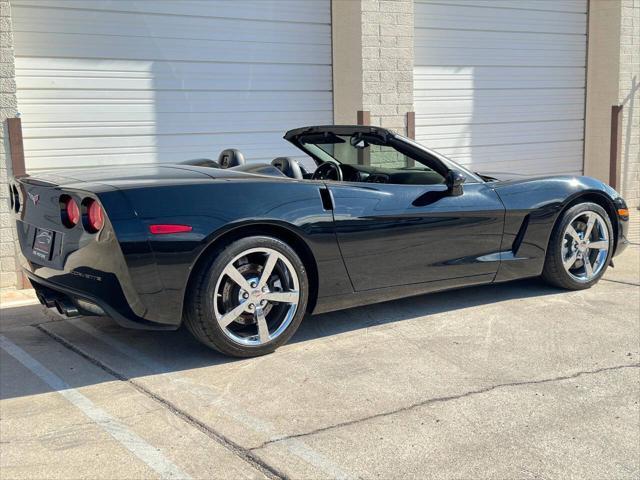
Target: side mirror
(454, 181)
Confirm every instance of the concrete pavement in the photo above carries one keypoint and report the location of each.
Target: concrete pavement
(506, 381)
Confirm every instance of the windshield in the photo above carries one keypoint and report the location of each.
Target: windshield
(373, 148)
(450, 164)
(359, 150)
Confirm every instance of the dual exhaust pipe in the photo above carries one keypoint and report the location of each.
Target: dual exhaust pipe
(64, 306)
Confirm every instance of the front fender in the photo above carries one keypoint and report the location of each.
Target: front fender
(532, 209)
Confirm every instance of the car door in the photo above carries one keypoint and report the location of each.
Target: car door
(393, 234)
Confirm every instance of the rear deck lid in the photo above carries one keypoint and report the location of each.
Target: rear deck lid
(111, 175)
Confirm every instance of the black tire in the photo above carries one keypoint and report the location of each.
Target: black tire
(200, 316)
(554, 271)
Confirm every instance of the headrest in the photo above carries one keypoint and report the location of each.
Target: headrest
(288, 166)
(230, 158)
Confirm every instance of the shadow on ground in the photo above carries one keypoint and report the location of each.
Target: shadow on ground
(155, 353)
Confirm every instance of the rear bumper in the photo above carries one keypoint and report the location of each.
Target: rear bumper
(114, 268)
(71, 302)
(81, 271)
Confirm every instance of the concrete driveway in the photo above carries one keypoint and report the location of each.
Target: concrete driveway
(506, 381)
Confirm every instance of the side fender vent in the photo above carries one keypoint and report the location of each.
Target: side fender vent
(327, 199)
(520, 236)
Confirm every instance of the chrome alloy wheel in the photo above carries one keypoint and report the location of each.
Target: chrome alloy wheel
(585, 246)
(256, 296)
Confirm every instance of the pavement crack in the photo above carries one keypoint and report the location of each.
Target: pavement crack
(246, 454)
(622, 282)
(444, 399)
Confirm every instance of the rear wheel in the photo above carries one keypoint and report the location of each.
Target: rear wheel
(249, 298)
(580, 247)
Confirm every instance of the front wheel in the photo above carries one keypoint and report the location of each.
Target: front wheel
(249, 298)
(580, 247)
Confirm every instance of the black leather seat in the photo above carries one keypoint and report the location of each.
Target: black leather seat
(231, 158)
(288, 166)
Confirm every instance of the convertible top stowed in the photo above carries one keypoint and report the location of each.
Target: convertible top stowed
(240, 251)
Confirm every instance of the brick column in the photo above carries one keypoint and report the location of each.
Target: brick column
(613, 78)
(8, 108)
(373, 61)
(629, 98)
(602, 84)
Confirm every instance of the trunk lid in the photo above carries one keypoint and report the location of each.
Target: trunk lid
(113, 175)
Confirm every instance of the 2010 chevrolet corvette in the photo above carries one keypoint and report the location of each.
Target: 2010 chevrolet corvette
(240, 252)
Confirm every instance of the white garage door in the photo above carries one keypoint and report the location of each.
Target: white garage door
(499, 85)
(105, 82)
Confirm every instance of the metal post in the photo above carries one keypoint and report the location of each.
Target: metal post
(614, 147)
(364, 118)
(411, 133)
(16, 148)
(14, 128)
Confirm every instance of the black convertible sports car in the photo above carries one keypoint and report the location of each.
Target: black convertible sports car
(241, 251)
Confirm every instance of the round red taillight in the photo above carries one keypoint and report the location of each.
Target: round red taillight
(70, 211)
(95, 216)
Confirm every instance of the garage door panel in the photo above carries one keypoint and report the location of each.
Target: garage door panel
(489, 115)
(186, 124)
(571, 6)
(456, 47)
(477, 77)
(521, 42)
(111, 76)
(265, 153)
(469, 17)
(439, 136)
(537, 159)
(444, 107)
(551, 166)
(83, 151)
(451, 56)
(264, 10)
(139, 155)
(115, 24)
(77, 46)
(459, 47)
(104, 82)
(177, 103)
(502, 84)
(535, 152)
(82, 144)
(512, 96)
(575, 6)
(526, 166)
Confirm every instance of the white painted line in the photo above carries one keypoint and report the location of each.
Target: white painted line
(132, 442)
(295, 446)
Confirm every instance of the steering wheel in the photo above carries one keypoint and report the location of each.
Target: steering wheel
(328, 171)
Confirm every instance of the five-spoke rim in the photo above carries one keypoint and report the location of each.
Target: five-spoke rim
(256, 296)
(585, 246)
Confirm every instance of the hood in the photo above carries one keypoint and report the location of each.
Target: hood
(500, 176)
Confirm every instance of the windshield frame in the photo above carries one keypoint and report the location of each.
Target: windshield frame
(450, 164)
(406, 146)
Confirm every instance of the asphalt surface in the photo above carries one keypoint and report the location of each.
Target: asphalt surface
(506, 381)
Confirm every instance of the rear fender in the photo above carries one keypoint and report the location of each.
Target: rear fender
(216, 208)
